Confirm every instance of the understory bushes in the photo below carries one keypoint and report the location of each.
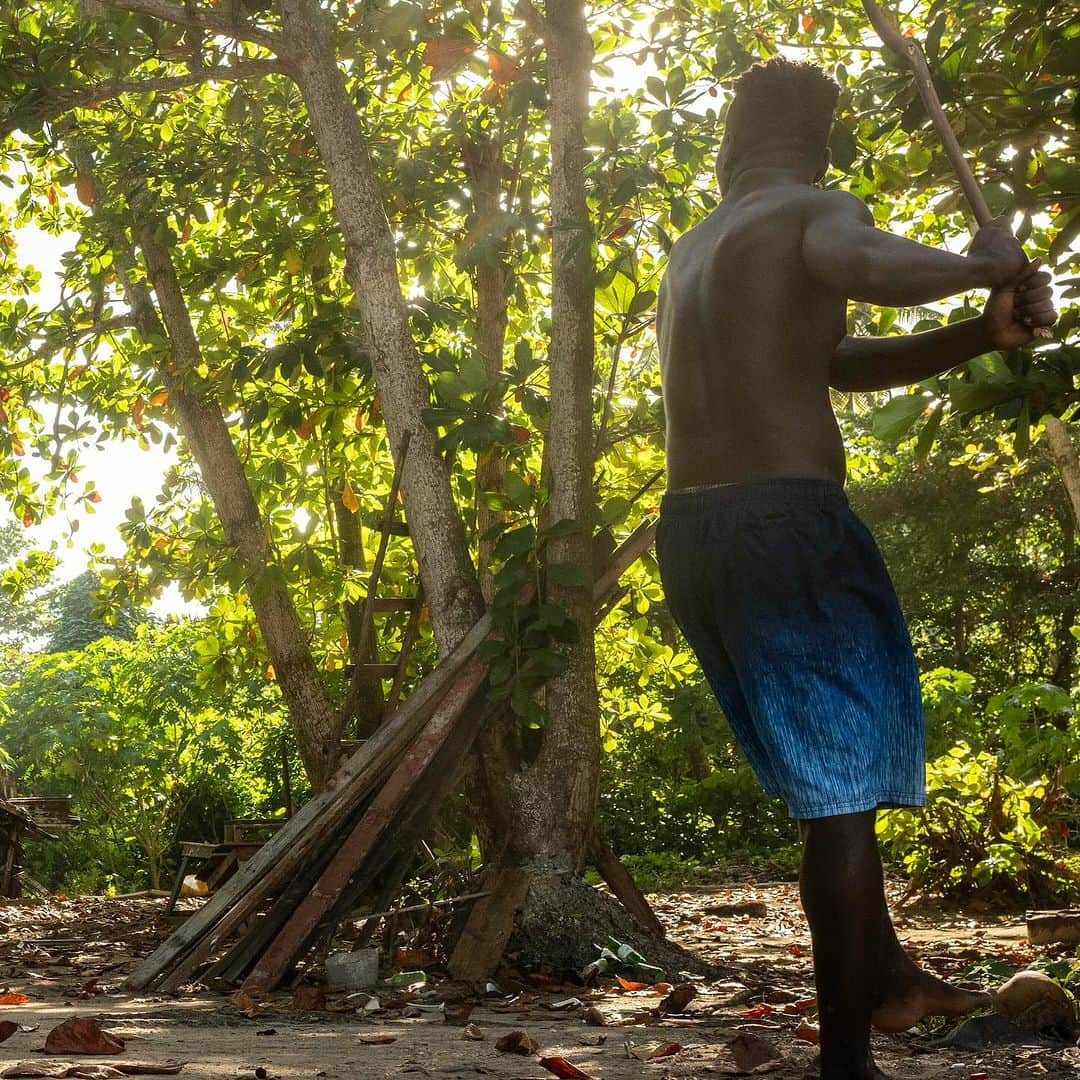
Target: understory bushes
(1003, 781)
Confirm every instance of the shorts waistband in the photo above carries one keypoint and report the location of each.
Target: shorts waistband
(788, 491)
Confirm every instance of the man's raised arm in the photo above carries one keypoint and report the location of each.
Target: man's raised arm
(1009, 320)
(843, 249)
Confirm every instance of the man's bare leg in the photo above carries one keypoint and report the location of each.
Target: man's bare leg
(907, 994)
(842, 888)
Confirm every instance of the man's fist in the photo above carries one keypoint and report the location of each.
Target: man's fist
(999, 254)
(1014, 311)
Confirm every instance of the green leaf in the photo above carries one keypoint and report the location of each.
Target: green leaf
(895, 419)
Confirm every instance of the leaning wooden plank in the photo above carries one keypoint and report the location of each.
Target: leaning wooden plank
(490, 924)
(412, 819)
(623, 885)
(623, 557)
(340, 792)
(305, 920)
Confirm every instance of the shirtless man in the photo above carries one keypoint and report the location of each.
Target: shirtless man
(778, 587)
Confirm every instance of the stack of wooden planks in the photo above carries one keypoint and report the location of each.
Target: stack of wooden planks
(351, 839)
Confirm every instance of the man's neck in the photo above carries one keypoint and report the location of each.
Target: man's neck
(762, 177)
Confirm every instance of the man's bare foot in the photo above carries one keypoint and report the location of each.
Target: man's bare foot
(918, 994)
(872, 1072)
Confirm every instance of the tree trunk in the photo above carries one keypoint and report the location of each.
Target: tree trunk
(557, 804)
(207, 434)
(446, 568)
(369, 699)
(1063, 451)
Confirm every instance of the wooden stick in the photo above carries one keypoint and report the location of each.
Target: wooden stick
(910, 51)
(623, 885)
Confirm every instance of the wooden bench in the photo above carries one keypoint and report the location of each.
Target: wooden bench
(243, 837)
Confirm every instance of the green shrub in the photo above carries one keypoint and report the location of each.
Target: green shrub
(983, 831)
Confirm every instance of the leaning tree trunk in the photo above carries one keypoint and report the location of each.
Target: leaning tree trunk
(438, 533)
(317, 727)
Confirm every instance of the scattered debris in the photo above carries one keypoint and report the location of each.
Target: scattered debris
(754, 909)
(471, 1031)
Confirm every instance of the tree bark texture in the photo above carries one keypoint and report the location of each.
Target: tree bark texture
(446, 569)
(318, 728)
(1063, 451)
(557, 794)
(369, 700)
(483, 163)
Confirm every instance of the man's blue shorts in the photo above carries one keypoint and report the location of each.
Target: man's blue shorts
(783, 595)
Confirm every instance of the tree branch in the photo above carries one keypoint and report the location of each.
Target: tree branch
(199, 18)
(60, 101)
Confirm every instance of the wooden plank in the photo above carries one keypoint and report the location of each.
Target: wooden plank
(490, 924)
(1054, 927)
(317, 823)
(623, 557)
(395, 603)
(408, 640)
(276, 961)
(397, 731)
(623, 885)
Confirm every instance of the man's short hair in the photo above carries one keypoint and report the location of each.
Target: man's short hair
(782, 103)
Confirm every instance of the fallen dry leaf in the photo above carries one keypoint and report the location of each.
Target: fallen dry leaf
(471, 1031)
(652, 1051)
(309, 999)
(679, 998)
(13, 999)
(563, 1069)
(81, 1035)
(517, 1042)
(629, 984)
(378, 1040)
(808, 1032)
(749, 1052)
(245, 1003)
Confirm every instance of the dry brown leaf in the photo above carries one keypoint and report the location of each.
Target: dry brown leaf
(517, 1042)
(679, 998)
(651, 1051)
(245, 1003)
(378, 1040)
(753, 1054)
(309, 999)
(471, 1031)
(444, 53)
(594, 1017)
(81, 1035)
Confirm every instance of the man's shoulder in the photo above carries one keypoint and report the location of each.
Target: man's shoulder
(836, 203)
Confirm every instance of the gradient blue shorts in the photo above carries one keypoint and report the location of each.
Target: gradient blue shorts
(782, 594)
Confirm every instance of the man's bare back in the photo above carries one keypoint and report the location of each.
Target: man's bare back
(746, 337)
(752, 316)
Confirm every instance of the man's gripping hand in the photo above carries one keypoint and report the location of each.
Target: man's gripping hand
(1016, 309)
(998, 253)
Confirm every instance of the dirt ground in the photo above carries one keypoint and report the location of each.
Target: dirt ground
(69, 957)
